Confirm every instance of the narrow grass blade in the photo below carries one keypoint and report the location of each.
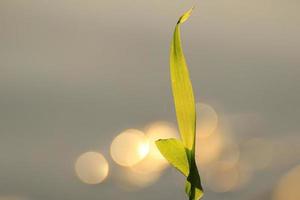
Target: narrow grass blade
(182, 154)
(182, 88)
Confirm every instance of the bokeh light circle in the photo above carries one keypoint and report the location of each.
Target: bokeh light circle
(288, 186)
(129, 147)
(91, 168)
(154, 161)
(156, 131)
(207, 119)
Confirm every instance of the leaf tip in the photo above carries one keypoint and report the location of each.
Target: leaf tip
(186, 15)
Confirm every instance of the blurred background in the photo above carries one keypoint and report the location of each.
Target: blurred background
(85, 91)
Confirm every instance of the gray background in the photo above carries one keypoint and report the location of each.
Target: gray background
(74, 73)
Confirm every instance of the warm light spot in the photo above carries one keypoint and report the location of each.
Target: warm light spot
(91, 168)
(208, 149)
(143, 149)
(288, 186)
(129, 147)
(150, 165)
(159, 130)
(207, 120)
(258, 153)
(154, 161)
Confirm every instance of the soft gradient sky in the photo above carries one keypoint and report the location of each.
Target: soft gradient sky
(75, 73)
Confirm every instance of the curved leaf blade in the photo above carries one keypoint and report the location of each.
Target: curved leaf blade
(185, 108)
(182, 154)
(182, 88)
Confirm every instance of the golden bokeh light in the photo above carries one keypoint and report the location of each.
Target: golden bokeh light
(207, 120)
(154, 162)
(156, 131)
(150, 165)
(288, 186)
(129, 147)
(143, 149)
(138, 153)
(91, 168)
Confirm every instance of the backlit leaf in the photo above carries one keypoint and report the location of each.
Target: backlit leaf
(182, 88)
(182, 155)
(174, 151)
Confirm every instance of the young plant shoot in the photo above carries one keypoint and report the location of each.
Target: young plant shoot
(181, 153)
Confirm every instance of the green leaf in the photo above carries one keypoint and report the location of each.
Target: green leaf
(182, 155)
(174, 151)
(185, 107)
(182, 88)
